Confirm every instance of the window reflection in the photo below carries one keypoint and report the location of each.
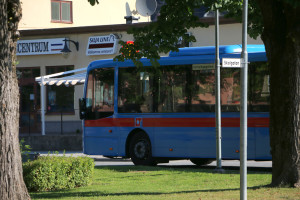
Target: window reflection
(182, 88)
(100, 93)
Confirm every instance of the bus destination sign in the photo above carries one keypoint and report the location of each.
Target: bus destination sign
(208, 66)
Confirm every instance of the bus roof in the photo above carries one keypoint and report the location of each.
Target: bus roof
(192, 55)
(210, 50)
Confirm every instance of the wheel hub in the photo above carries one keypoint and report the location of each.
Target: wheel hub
(140, 150)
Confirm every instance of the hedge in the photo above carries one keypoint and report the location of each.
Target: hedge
(49, 173)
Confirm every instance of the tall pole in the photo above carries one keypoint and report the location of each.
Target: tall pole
(217, 95)
(243, 118)
(43, 105)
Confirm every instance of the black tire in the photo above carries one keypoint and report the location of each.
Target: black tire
(201, 161)
(141, 151)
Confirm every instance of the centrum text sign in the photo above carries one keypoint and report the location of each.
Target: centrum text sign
(40, 46)
(231, 62)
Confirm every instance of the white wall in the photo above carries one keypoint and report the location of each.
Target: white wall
(36, 14)
(229, 34)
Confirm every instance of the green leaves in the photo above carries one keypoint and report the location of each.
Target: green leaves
(176, 17)
(93, 2)
(56, 173)
(293, 3)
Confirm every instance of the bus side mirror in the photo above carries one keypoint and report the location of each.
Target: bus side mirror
(82, 108)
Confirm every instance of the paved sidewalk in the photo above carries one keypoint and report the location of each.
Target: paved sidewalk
(67, 153)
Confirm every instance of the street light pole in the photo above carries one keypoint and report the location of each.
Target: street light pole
(217, 95)
(43, 105)
(243, 118)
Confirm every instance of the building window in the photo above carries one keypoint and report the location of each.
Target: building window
(60, 98)
(61, 11)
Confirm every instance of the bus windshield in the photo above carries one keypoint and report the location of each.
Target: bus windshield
(100, 93)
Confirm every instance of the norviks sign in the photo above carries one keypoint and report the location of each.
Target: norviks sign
(102, 45)
(40, 46)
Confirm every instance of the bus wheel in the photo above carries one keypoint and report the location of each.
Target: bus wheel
(201, 161)
(140, 150)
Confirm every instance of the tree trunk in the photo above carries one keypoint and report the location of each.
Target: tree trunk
(12, 185)
(281, 37)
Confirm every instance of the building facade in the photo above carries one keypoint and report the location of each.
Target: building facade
(44, 27)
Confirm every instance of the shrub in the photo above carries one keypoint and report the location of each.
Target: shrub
(57, 172)
(25, 150)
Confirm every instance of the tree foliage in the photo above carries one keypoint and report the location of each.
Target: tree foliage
(177, 16)
(175, 19)
(162, 36)
(93, 2)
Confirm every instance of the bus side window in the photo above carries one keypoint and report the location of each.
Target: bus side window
(186, 88)
(258, 88)
(259, 92)
(134, 91)
(230, 90)
(183, 88)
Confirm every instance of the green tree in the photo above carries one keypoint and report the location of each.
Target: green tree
(278, 24)
(12, 185)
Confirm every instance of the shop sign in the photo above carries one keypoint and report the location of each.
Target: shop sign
(40, 46)
(102, 45)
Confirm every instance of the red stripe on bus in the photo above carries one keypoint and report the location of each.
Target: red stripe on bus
(179, 122)
(259, 122)
(176, 122)
(110, 122)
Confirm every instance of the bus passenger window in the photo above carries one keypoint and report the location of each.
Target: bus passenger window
(184, 88)
(230, 89)
(259, 92)
(135, 91)
(188, 88)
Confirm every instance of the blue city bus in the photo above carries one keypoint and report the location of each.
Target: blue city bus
(154, 114)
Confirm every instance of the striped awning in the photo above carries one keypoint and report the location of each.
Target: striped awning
(63, 78)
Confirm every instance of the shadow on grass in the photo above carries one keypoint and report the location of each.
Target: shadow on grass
(65, 194)
(139, 169)
(193, 168)
(68, 194)
(230, 168)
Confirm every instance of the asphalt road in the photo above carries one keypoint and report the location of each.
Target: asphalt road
(226, 164)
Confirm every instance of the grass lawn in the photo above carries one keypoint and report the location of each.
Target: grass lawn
(138, 183)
